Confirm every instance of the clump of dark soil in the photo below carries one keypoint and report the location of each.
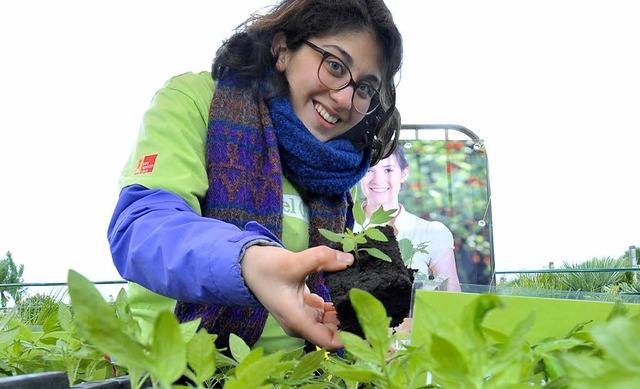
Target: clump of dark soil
(389, 282)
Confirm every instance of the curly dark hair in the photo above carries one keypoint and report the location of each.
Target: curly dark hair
(247, 53)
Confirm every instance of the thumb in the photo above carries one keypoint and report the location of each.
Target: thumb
(323, 258)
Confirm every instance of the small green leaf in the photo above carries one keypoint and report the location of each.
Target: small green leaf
(374, 252)
(200, 355)
(65, 318)
(358, 214)
(238, 347)
(348, 245)
(360, 373)
(51, 323)
(374, 321)
(168, 351)
(360, 239)
(309, 363)
(254, 370)
(8, 336)
(376, 234)
(451, 359)
(380, 216)
(357, 346)
(406, 250)
(332, 236)
(189, 329)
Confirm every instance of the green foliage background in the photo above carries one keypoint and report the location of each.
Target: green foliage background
(10, 273)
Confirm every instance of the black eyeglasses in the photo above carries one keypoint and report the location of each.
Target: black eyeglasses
(335, 75)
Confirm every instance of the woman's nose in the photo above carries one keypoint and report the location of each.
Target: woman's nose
(343, 97)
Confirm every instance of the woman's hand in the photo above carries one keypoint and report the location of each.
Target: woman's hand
(276, 277)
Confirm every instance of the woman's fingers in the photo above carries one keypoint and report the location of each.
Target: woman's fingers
(277, 278)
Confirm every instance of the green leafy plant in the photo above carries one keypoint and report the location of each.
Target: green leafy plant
(350, 240)
(408, 250)
(180, 352)
(56, 347)
(35, 310)
(444, 351)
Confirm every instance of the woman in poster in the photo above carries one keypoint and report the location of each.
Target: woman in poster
(380, 187)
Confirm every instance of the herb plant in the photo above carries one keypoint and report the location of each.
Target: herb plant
(444, 352)
(350, 240)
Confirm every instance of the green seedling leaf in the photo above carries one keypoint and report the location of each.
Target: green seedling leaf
(7, 336)
(358, 214)
(168, 352)
(51, 323)
(374, 252)
(357, 346)
(359, 373)
(65, 318)
(616, 338)
(380, 216)
(375, 234)
(360, 238)
(551, 345)
(254, 370)
(451, 359)
(200, 355)
(238, 347)
(406, 250)
(348, 246)
(332, 236)
(123, 312)
(97, 322)
(373, 320)
(309, 363)
(189, 329)
(501, 365)
(350, 241)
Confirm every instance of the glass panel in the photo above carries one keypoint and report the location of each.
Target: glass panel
(449, 182)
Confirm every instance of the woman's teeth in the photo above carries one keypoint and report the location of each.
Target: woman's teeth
(325, 115)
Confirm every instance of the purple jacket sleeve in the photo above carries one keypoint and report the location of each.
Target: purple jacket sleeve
(159, 242)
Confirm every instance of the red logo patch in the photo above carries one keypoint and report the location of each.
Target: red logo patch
(145, 164)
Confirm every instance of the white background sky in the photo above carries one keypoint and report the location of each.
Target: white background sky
(553, 88)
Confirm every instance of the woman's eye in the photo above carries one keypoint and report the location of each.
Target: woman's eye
(335, 67)
(365, 90)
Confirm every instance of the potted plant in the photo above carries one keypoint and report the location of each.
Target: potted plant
(378, 268)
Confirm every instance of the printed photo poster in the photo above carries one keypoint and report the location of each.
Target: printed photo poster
(448, 182)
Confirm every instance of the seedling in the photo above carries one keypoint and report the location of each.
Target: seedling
(408, 250)
(350, 240)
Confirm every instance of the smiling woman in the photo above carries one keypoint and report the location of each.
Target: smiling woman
(278, 117)
(433, 244)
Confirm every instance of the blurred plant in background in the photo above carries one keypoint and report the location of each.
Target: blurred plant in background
(10, 273)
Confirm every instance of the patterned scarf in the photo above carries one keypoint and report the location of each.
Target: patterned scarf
(250, 145)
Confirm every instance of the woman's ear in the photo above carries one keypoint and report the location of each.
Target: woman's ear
(280, 51)
(404, 174)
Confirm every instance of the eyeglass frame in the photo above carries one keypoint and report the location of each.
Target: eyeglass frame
(326, 54)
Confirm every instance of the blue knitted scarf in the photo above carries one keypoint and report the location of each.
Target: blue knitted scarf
(250, 145)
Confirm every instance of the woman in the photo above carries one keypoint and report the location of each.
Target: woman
(234, 172)
(380, 187)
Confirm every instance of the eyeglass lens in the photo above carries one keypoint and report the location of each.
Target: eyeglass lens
(334, 74)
